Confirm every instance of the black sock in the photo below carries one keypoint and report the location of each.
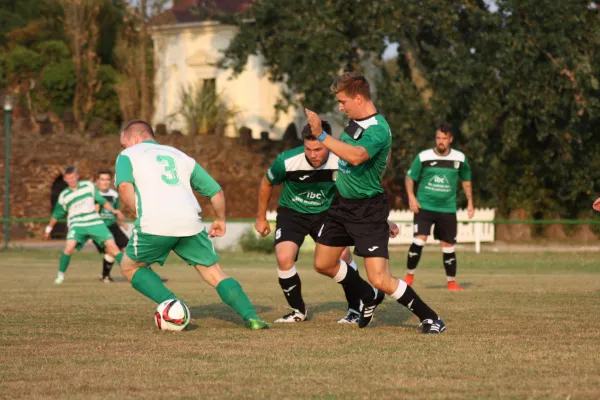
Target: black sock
(353, 301)
(450, 265)
(356, 287)
(292, 289)
(413, 302)
(106, 267)
(414, 255)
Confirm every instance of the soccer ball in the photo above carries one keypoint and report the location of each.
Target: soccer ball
(172, 315)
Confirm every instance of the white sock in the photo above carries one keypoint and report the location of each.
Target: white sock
(342, 272)
(410, 271)
(109, 259)
(61, 274)
(353, 265)
(286, 274)
(400, 290)
(451, 278)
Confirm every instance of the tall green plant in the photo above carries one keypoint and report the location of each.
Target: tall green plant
(204, 110)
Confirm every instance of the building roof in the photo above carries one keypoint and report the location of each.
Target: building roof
(187, 11)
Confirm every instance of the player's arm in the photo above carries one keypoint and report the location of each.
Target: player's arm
(59, 212)
(354, 155)
(124, 182)
(469, 194)
(409, 183)
(206, 185)
(106, 204)
(264, 195)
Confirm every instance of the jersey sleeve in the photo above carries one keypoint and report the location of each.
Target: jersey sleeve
(203, 183)
(276, 173)
(59, 211)
(414, 172)
(98, 197)
(123, 170)
(374, 139)
(465, 171)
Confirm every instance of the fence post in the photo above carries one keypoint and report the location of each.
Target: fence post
(477, 237)
(7, 121)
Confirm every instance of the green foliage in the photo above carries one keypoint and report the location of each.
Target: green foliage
(250, 242)
(58, 81)
(54, 51)
(106, 106)
(22, 63)
(204, 110)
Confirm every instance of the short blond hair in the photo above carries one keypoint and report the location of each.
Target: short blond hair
(352, 84)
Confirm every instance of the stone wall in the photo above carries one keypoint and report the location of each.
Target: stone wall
(37, 160)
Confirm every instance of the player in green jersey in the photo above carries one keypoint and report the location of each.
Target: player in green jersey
(77, 203)
(158, 182)
(359, 211)
(103, 182)
(437, 170)
(308, 176)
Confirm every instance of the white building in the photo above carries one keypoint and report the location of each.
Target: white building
(187, 46)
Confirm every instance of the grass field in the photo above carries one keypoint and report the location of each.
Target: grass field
(527, 327)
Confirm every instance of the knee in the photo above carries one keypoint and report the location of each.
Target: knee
(69, 251)
(285, 263)
(382, 282)
(322, 267)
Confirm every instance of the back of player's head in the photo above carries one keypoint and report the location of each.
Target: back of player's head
(444, 126)
(139, 126)
(71, 169)
(104, 172)
(307, 132)
(352, 84)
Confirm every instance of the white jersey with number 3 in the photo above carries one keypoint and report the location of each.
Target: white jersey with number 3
(163, 179)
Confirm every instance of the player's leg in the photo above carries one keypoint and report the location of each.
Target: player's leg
(379, 275)
(290, 231)
(446, 230)
(422, 228)
(352, 315)
(121, 241)
(198, 250)
(65, 257)
(100, 249)
(144, 250)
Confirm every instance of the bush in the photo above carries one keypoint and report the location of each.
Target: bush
(58, 80)
(106, 106)
(251, 242)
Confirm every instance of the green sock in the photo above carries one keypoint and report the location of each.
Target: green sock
(148, 283)
(233, 295)
(64, 262)
(119, 257)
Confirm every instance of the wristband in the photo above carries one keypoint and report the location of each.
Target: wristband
(48, 229)
(322, 136)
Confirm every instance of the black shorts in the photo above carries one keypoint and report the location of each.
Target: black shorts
(293, 226)
(361, 223)
(121, 238)
(444, 225)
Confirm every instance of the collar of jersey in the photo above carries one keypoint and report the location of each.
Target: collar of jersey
(150, 141)
(366, 118)
(434, 152)
(322, 165)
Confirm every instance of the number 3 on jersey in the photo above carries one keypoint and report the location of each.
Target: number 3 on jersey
(170, 177)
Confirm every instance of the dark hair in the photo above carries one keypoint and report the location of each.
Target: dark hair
(71, 169)
(307, 131)
(352, 83)
(104, 172)
(142, 126)
(445, 127)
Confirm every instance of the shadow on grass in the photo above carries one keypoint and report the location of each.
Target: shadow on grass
(222, 312)
(465, 285)
(389, 313)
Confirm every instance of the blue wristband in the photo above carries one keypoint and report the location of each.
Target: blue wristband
(322, 136)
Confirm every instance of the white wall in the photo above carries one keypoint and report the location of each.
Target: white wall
(184, 55)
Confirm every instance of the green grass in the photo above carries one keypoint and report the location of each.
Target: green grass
(527, 327)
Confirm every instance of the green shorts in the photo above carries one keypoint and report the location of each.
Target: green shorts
(98, 233)
(150, 249)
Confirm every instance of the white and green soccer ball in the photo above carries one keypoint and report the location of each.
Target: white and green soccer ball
(172, 315)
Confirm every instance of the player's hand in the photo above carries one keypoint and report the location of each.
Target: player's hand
(263, 227)
(217, 229)
(46, 235)
(120, 216)
(471, 210)
(394, 230)
(413, 204)
(315, 122)
(596, 205)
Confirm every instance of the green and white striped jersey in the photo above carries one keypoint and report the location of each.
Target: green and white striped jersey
(438, 179)
(306, 189)
(79, 205)
(163, 178)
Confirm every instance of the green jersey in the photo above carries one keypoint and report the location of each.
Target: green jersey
(108, 216)
(364, 181)
(79, 205)
(306, 189)
(438, 179)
